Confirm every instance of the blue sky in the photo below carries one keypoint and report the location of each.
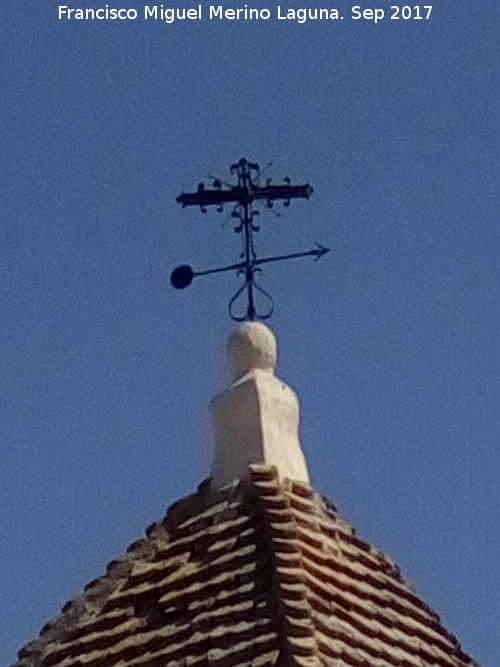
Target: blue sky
(391, 340)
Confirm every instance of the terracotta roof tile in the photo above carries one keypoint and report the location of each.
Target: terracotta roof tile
(261, 573)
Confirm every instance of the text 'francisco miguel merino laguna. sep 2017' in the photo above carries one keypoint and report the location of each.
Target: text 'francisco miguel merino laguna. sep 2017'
(245, 13)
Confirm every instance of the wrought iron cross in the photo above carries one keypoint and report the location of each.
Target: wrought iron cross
(243, 195)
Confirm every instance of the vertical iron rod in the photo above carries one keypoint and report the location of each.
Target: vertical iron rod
(247, 221)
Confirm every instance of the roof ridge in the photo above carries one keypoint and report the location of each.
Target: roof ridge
(288, 580)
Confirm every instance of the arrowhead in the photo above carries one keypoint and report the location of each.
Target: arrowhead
(321, 251)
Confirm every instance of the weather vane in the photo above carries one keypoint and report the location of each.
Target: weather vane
(243, 195)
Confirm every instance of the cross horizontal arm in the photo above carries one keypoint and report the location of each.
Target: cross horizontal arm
(217, 196)
(286, 192)
(210, 197)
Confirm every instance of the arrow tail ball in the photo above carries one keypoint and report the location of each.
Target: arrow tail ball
(182, 276)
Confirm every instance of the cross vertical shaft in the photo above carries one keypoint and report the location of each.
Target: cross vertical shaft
(244, 178)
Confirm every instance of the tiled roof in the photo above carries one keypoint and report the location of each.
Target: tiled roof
(261, 573)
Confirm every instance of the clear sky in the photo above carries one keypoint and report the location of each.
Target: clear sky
(391, 340)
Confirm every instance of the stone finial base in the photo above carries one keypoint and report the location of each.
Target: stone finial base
(256, 419)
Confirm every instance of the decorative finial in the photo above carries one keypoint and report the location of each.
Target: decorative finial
(256, 420)
(242, 196)
(251, 346)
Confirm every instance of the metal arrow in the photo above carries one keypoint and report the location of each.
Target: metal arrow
(182, 276)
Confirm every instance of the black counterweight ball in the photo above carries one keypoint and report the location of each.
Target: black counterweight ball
(182, 276)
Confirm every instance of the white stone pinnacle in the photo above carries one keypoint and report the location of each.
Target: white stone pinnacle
(256, 420)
